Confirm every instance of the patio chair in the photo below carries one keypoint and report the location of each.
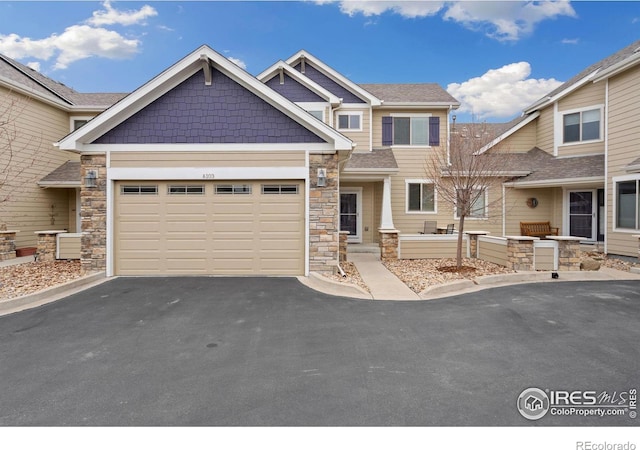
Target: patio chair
(430, 227)
(450, 228)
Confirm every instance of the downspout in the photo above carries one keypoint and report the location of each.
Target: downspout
(449, 135)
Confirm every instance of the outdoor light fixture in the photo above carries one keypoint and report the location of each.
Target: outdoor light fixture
(90, 179)
(322, 177)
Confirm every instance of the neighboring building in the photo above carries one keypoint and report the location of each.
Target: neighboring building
(581, 148)
(39, 185)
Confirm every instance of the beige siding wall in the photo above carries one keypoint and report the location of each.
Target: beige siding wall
(624, 145)
(436, 247)
(377, 203)
(361, 138)
(492, 251)
(29, 207)
(544, 258)
(205, 159)
(73, 218)
(521, 141)
(549, 208)
(69, 247)
(544, 131)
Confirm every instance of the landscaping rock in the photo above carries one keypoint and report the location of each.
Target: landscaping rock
(589, 264)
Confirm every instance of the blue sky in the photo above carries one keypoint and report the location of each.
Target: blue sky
(495, 57)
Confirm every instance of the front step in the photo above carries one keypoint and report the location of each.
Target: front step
(363, 248)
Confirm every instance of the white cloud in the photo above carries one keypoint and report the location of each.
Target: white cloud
(238, 62)
(35, 65)
(409, 9)
(81, 41)
(501, 93)
(112, 16)
(570, 41)
(75, 43)
(501, 20)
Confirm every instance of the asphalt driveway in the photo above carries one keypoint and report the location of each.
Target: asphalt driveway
(269, 351)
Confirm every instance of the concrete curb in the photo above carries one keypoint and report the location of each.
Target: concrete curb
(50, 295)
(319, 283)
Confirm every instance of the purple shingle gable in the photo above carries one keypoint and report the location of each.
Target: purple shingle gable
(292, 90)
(314, 74)
(193, 113)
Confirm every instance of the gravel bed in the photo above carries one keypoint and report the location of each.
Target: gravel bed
(420, 274)
(613, 262)
(27, 278)
(353, 276)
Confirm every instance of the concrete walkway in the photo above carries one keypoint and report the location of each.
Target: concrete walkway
(381, 282)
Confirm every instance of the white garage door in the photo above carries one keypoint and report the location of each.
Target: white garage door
(225, 228)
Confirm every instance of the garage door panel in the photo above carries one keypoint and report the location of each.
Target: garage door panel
(228, 234)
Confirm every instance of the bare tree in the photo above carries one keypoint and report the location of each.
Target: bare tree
(463, 175)
(19, 148)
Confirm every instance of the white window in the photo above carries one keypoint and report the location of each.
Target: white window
(318, 114)
(351, 121)
(76, 122)
(411, 130)
(581, 126)
(627, 198)
(420, 196)
(478, 201)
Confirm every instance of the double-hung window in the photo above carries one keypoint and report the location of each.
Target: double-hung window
(477, 203)
(405, 130)
(421, 196)
(410, 131)
(581, 126)
(628, 204)
(351, 121)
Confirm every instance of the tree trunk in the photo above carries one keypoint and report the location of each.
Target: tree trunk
(459, 249)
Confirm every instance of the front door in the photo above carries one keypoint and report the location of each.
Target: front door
(582, 214)
(350, 214)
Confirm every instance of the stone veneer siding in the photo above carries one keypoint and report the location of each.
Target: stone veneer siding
(323, 215)
(7, 245)
(47, 246)
(93, 215)
(388, 244)
(520, 253)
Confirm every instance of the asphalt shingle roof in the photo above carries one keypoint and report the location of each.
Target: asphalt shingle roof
(32, 79)
(410, 93)
(546, 167)
(381, 158)
(68, 173)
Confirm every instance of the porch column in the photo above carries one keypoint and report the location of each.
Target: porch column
(568, 252)
(386, 219)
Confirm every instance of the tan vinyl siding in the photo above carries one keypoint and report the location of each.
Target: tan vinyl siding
(69, 246)
(361, 138)
(31, 208)
(544, 258)
(544, 136)
(591, 94)
(581, 149)
(377, 204)
(517, 210)
(521, 141)
(207, 159)
(435, 247)
(73, 218)
(493, 251)
(624, 148)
